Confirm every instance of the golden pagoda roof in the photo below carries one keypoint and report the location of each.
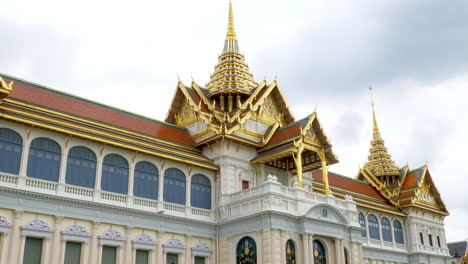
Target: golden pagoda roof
(379, 162)
(232, 74)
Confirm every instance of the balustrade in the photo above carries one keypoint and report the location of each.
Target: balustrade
(92, 195)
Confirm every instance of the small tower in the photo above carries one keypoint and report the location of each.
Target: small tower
(231, 82)
(379, 162)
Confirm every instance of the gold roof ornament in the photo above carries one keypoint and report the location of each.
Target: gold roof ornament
(5, 88)
(379, 162)
(232, 74)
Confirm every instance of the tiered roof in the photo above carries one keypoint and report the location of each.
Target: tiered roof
(232, 74)
(43, 107)
(380, 163)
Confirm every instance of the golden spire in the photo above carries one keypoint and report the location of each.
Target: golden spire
(379, 162)
(375, 130)
(231, 32)
(232, 74)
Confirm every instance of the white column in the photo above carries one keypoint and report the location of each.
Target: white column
(305, 248)
(47, 247)
(21, 250)
(131, 178)
(342, 254)
(24, 157)
(311, 248)
(121, 255)
(161, 187)
(62, 254)
(159, 250)
(283, 240)
(3, 251)
(99, 255)
(337, 251)
(94, 245)
(99, 173)
(55, 258)
(15, 234)
(188, 191)
(188, 255)
(86, 247)
(128, 245)
(63, 166)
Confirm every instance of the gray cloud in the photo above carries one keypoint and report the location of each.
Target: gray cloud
(38, 53)
(385, 41)
(349, 129)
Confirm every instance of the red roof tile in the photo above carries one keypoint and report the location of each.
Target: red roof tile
(82, 108)
(347, 184)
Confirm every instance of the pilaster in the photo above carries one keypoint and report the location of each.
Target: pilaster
(305, 248)
(15, 234)
(128, 244)
(57, 256)
(94, 244)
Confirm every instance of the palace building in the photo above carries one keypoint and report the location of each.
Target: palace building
(230, 176)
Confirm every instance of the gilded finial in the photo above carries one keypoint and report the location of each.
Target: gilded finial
(231, 32)
(376, 128)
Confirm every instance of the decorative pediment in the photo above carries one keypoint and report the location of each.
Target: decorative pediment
(76, 229)
(201, 249)
(4, 225)
(327, 213)
(37, 228)
(4, 221)
(76, 232)
(112, 237)
(144, 241)
(37, 224)
(174, 246)
(112, 234)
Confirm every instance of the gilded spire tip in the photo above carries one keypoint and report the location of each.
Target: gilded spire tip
(231, 32)
(376, 128)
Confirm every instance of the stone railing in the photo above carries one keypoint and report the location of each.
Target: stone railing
(102, 197)
(272, 196)
(429, 250)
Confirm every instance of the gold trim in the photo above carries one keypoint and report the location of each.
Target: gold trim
(101, 133)
(13, 101)
(66, 131)
(425, 208)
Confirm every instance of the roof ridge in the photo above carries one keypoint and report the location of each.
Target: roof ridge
(292, 124)
(73, 96)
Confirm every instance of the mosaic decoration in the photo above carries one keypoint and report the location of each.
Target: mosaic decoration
(319, 253)
(290, 252)
(246, 251)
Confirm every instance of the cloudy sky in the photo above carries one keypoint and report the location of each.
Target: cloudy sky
(414, 53)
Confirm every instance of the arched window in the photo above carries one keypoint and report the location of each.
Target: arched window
(373, 227)
(319, 253)
(246, 251)
(174, 186)
(11, 146)
(362, 222)
(398, 232)
(146, 180)
(81, 167)
(114, 174)
(386, 229)
(346, 256)
(290, 252)
(44, 159)
(200, 194)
